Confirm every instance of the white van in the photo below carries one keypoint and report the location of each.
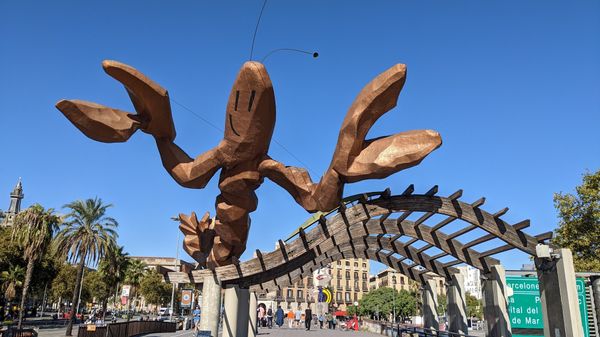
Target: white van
(164, 311)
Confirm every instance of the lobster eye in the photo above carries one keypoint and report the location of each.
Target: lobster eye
(237, 97)
(251, 100)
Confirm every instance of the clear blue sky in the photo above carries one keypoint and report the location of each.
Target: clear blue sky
(512, 86)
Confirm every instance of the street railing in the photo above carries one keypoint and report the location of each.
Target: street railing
(125, 329)
(422, 332)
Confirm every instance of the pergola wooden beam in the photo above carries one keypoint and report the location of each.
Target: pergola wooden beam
(351, 227)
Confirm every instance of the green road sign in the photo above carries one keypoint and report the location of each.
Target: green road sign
(582, 306)
(525, 307)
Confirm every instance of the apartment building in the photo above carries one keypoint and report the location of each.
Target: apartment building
(349, 281)
(393, 279)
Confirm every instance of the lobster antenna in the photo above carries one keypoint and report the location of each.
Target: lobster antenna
(256, 29)
(314, 54)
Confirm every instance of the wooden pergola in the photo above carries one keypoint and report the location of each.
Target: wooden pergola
(402, 231)
(370, 226)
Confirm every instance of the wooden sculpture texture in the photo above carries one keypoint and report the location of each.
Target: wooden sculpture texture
(242, 155)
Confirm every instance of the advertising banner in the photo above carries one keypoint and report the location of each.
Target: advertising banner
(186, 298)
(125, 291)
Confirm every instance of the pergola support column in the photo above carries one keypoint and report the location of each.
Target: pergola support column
(235, 318)
(211, 305)
(430, 317)
(457, 305)
(558, 294)
(253, 318)
(495, 305)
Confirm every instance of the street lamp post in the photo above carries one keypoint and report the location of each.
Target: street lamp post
(394, 304)
(175, 269)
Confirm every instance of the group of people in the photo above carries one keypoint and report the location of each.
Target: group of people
(295, 319)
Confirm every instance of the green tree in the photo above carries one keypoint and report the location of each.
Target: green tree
(579, 220)
(64, 283)
(12, 279)
(406, 304)
(32, 231)
(85, 237)
(387, 300)
(474, 306)
(442, 304)
(154, 289)
(133, 276)
(112, 268)
(10, 253)
(98, 289)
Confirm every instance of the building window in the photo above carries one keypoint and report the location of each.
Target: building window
(393, 279)
(290, 293)
(339, 263)
(299, 294)
(355, 284)
(364, 276)
(347, 274)
(364, 286)
(347, 263)
(356, 264)
(356, 275)
(356, 296)
(339, 274)
(348, 297)
(347, 283)
(338, 296)
(364, 265)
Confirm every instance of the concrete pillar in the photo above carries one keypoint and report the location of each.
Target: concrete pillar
(495, 305)
(558, 294)
(235, 317)
(252, 315)
(457, 305)
(430, 303)
(211, 305)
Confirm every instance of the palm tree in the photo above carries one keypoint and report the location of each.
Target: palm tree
(32, 231)
(86, 236)
(134, 274)
(11, 280)
(112, 269)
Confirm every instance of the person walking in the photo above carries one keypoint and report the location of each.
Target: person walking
(307, 317)
(329, 320)
(196, 313)
(269, 318)
(298, 317)
(261, 316)
(321, 318)
(290, 317)
(279, 316)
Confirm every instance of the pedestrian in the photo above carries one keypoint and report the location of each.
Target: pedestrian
(334, 322)
(329, 320)
(270, 318)
(290, 317)
(279, 316)
(298, 317)
(307, 318)
(261, 316)
(321, 318)
(196, 313)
